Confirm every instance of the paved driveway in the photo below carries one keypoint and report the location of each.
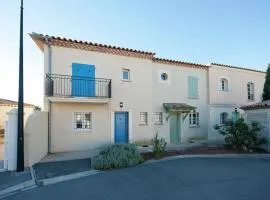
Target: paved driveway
(187, 179)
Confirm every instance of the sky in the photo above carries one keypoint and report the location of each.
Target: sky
(234, 32)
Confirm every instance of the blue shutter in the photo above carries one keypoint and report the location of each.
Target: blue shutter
(192, 87)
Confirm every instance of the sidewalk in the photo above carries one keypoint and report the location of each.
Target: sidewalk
(8, 179)
(14, 182)
(46, 170)
(74, 155)
(44, 173)
(183, 146)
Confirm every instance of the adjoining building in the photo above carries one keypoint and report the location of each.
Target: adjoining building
(6, 105)
(100, 94)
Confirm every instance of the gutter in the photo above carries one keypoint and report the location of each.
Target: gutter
(47, 42)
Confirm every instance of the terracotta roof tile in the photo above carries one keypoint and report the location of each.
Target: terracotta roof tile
(13, 103)
(39, 39)
(78, 44)
(256, 106)
(236, 67)
(180, 63)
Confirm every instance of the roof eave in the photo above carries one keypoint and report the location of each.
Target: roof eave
(38, 39)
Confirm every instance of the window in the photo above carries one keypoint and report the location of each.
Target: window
(224, 84)
(192, 87)
(223, 117)
(158, 118)
(250, 91)
(83, 121)
(164, 76)
(194, 119)
(125, 74)
(143, 118)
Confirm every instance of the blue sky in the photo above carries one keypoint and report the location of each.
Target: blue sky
(232, 32)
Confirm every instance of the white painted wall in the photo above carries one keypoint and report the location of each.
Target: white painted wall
(238, 79)
(227, 101)
(263, 117)
(145, 92)
(36, 137)
(175, 90)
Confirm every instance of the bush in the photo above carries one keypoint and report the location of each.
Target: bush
(159, 145)
(241, 136)
(117, 156)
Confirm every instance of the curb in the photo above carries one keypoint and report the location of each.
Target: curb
(59, 179)
(209, 156)
(3, 170)
(17, 188)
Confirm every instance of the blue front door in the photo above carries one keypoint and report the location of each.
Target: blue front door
(121, 127)
(83, 80)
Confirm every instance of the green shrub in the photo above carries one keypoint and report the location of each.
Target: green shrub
(117, 156)
(159, 145)
(242, 136)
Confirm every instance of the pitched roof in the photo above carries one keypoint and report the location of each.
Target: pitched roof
(236, 67)
(179, 63)
(6, 102)
(256, 106)
(40, 40)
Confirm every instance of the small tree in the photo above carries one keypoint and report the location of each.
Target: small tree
(241, 136)
(37, 108)
(159, 146)
(266, 89)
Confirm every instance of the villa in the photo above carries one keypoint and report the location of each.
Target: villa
(99, 94)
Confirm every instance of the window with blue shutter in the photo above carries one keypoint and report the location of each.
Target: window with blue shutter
(193, 87)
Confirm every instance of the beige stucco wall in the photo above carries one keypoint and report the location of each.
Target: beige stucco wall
(135, 94)
(64, 137)
(143, 93)
(6, 108)
(236, 96)
(36, 137)
(238, 79)
(176, 91)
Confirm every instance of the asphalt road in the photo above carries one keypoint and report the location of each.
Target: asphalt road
(186, 179)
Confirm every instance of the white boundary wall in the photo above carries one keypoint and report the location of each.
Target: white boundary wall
(36, 137)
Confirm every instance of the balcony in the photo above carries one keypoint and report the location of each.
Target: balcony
(74, 88)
